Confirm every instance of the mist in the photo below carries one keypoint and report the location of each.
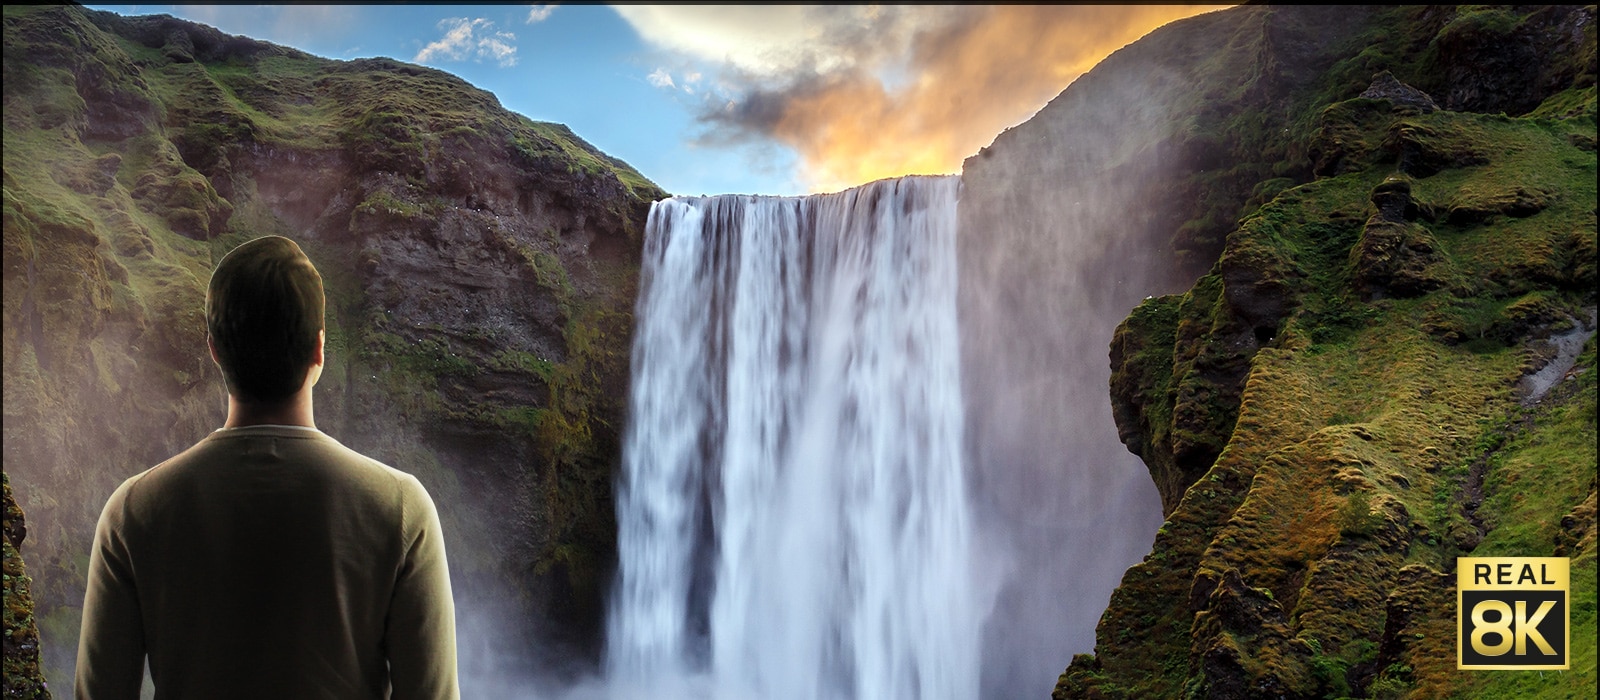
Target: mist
(1061, 230)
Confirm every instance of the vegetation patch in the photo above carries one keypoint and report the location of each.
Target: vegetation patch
(1383, 316)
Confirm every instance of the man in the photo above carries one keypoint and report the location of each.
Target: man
(268, 560)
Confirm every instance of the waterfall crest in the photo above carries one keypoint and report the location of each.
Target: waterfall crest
(792, 513)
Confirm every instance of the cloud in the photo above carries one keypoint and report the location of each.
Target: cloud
(863, 93)
(540, 13)
(660, 78)
(776, 40)
(471, 38)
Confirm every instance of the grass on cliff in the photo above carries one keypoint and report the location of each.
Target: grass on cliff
(1360, 419)
(1547, 468)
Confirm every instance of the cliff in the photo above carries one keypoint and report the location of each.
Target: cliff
(23, 676)
(1366, 235)
(1390, 363)
(481, 271)
(1122, 187)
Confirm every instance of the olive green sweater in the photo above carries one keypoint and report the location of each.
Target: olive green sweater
(269, 562)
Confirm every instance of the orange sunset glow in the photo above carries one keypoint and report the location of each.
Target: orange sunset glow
(970, 83)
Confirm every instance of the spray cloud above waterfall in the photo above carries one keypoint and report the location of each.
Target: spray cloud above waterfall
(866, 92)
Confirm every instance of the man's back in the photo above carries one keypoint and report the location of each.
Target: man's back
(269, 561)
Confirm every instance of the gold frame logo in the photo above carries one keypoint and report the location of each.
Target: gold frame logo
(1513, 613)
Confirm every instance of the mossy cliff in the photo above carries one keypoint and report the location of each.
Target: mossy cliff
(480, 268)
(23, 676)
(1385, 368)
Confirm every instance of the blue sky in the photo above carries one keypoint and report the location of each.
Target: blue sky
(734, 99)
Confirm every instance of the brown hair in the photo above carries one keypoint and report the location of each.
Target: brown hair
(264, 308)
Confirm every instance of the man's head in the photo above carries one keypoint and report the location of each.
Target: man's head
(264, 310)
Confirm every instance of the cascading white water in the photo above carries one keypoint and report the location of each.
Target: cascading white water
(793, 520)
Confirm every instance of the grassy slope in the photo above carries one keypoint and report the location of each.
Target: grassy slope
(1360, 417)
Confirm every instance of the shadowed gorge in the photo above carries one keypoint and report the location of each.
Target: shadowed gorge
(1327, 272)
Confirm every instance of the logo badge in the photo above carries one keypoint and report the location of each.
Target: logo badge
(1512, 613)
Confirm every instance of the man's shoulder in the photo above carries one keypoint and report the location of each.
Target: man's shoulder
(230, 453)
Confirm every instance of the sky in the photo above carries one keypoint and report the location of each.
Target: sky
(746, 99)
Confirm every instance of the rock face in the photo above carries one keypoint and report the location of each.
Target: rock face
(1332, 412)
(23, 676)
(481, 271)
(1386, 87)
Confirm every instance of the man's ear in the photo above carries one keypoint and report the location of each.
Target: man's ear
(211, 344)
(314, 372)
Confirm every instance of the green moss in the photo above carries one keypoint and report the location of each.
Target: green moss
(1480, 19)
(383, 206)
(1567, 104)
(549, 273)
(425, 357)
(524, 362)
(1142, 366)
(590, 160)
(1360, 416)
(23, 676)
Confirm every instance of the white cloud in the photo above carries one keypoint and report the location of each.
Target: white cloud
(660, 78)
(505, 54)
(456, 42)
(847, 87)
(471, 38)
(778, 40)
(540, 13)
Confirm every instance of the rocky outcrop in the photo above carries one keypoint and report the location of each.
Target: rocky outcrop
(1397, 256)
(480, 268)
(1510, 59)
(1387, 87)
(24, 679)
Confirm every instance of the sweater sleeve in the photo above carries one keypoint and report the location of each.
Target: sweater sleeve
(111, 645)
(421, 633)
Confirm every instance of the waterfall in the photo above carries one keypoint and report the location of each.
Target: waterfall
(792, 513)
